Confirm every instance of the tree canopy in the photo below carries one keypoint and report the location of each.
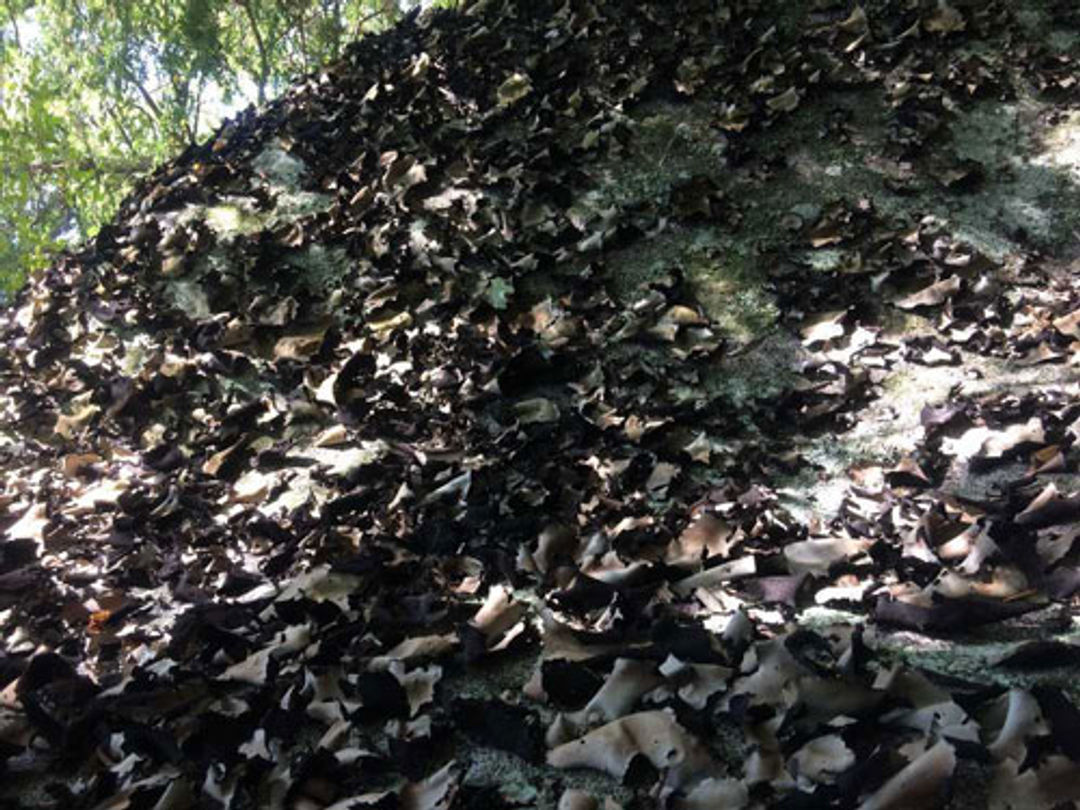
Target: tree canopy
(94, 93)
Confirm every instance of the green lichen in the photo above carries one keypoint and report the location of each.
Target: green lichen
(137, 351)
(284, 175)
(321, 268)
(975, 656)
(761, 373)
(292, 205)
(669, 144)
(724, 281)
(189, 296)
(232, 219)
(278, 167)
(734, 298)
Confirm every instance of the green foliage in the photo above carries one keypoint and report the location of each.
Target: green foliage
(94, 93)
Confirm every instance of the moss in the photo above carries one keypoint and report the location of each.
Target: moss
(974, 656)
(734, 299)
(668, 143)
(762, 373)
(322, 268)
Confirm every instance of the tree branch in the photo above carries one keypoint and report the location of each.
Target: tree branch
(14, 24)
(193, 127)
(129, 74)
(44, 167)
(111, 111)
(264, 57)
(339, 26)
(296, 23)
(360, 23)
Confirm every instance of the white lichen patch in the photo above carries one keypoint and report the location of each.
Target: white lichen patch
(292, 205)
(1061, 146)
(283, 174)
(824, 259)
(137, 352)
(889, 427)
(188, 296)
(736, 301)
(235, 217)
(224, 219)
(1029, 173)
(977, 656)
(278, 167)
(420, 239)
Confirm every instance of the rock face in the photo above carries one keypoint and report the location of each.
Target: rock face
(487, 352)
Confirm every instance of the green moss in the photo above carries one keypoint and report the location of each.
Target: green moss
(669, 143)
(735, 301)
(762, 373)
(322, 268)
(975, 655)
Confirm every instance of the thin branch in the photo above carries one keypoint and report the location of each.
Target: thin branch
(149, 99)
(360, 23)
(296, 23)
(181, 95)
(339, 26)
(264, 58)
(111, 111)
(147, 114)
(44, 167)
(193, 128)
(14, 24)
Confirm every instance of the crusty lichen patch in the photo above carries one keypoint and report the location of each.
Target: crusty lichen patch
(976, 655)
(888, 427)
(731, 290)
(279, 167)
(1059, 146)
(321, 267)
(283, 175)
(231, 218)
(314, 268)
(725, 282)
(668, 143)
(757, 374)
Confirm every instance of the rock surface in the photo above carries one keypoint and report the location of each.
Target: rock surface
(686, 391)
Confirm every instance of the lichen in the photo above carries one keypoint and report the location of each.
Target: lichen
(761, 373)
(321, 268)
(279, 167)
(283, 175)
(188, 296)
